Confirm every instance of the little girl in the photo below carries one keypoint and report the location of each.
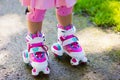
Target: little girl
(37, 52)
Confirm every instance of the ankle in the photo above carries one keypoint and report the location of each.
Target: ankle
(37, 34)
(69, 26)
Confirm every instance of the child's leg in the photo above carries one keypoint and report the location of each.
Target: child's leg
(64, 15)
(35, 18)
(37, 52)
(67, 41)
(34, 27)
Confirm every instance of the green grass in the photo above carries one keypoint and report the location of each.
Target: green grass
(105, 13)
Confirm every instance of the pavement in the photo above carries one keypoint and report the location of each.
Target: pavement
(102, 47)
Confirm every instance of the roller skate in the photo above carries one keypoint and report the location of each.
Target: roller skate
(68, 43)
(36, 54)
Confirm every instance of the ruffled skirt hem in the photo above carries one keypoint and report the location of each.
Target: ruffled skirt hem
(46, 4)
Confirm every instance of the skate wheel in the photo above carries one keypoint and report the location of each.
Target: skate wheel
(74, 62)
(85, 63)
(34, 72)
(57, 56)
(46, 71)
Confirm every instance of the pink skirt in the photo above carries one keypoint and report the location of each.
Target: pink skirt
(45, 4)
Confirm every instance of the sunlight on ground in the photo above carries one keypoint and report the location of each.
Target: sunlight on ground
(4, 57)
(95, 40)
(92, 76)
(10, 24)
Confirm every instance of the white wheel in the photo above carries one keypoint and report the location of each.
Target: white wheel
(46, 70)
(74, 62)
(84, 59)
(34, 72)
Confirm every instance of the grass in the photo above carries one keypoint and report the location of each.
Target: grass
(105, 13)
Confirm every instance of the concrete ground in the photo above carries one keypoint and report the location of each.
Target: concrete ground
(102, 48)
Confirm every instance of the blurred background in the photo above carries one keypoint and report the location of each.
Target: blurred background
(98, 27)
(104, 13)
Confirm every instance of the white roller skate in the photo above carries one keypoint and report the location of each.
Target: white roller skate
(67, 43)
(36, 54)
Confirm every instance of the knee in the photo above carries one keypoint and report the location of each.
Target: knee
(64, 11)
(36, 15)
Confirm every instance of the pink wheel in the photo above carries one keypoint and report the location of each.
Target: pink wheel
(57, 56)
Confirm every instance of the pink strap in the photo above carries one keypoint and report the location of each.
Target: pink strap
(65, 27)
(34, 45)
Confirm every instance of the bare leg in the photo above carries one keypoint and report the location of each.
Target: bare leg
(34, 27)
(64, 20)
(35, 19)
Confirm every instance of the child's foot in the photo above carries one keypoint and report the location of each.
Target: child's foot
(67, 42)
(36, 54)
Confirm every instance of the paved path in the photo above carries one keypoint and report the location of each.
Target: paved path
(101, 46)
